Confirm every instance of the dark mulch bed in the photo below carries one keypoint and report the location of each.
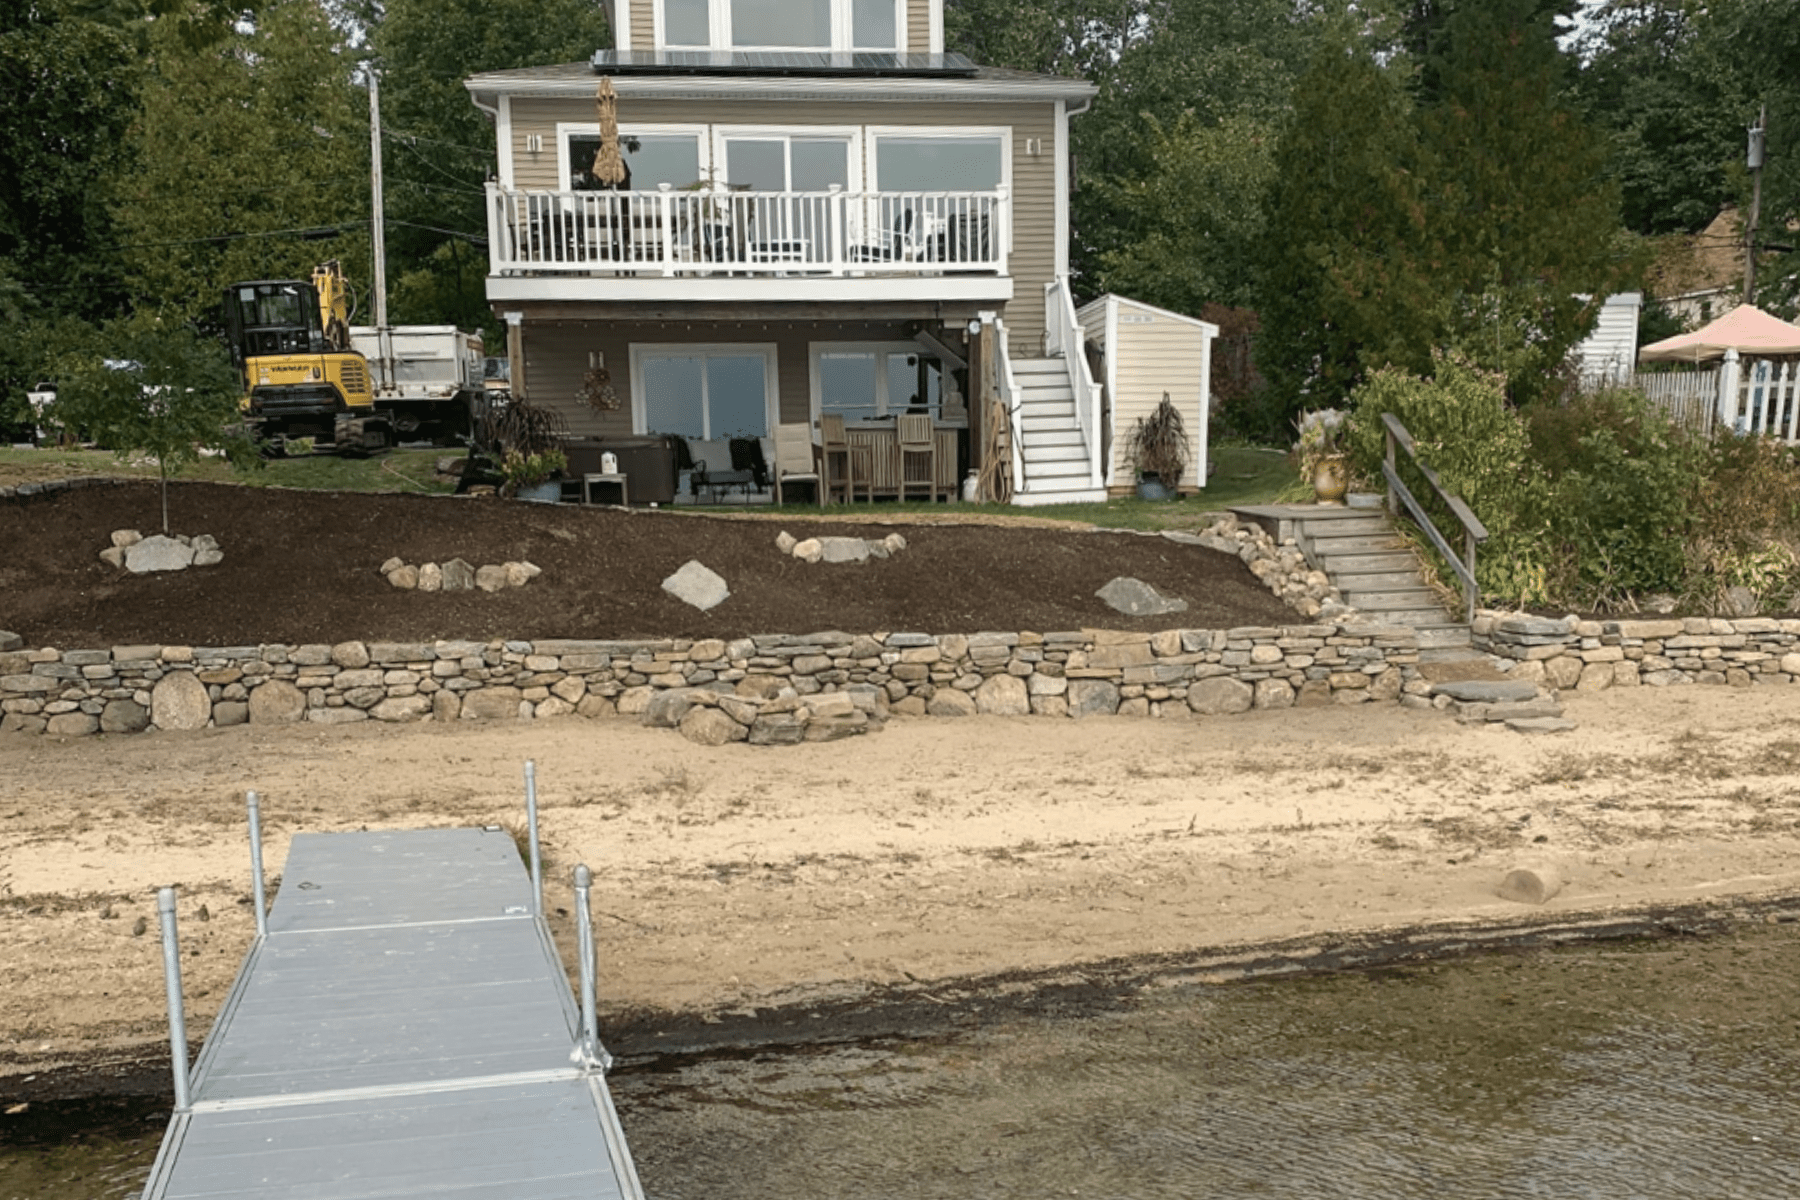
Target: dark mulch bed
(302, 567)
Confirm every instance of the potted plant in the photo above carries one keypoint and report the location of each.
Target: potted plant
(533, 476)
(1324, 453)
(1159, 446)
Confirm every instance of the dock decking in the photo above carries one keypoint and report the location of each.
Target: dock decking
(404, 1029)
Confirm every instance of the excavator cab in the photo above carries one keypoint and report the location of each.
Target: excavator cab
(273, 317)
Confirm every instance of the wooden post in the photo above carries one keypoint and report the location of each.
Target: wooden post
(977, 398)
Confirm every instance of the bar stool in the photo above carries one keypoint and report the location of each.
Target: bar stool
(834, 444)
(917, 440)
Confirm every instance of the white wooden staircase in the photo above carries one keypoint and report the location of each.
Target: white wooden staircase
(1055, 459)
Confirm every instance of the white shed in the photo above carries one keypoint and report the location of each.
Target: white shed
(1149, 351)
(1609, 354)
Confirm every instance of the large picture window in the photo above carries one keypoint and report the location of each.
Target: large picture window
(652, 158)
(931, 163)
(703, 392)
(876, 382)
(839, 25)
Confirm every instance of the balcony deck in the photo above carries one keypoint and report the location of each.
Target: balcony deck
(674, 245)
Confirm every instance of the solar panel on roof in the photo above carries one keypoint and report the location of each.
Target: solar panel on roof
(778, 62)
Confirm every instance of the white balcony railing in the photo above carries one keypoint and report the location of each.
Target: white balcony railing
(669, 232)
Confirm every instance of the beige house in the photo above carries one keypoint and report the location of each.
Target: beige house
(825, 214)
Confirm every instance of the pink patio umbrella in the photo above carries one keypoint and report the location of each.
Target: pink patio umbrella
(1747, 329)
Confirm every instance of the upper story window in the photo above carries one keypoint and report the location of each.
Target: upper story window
(781, 24)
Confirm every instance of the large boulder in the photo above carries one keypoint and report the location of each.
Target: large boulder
(276, 702)
(180, 702)
(1004, 696)
(710, 727)
(1211, 697)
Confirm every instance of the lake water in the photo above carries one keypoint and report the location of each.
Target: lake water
(1649, 1069)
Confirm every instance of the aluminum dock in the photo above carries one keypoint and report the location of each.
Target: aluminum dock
(401, 1027)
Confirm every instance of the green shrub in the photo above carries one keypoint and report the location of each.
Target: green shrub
(1621, 485)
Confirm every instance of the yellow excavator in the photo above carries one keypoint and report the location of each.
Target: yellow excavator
(308, 373)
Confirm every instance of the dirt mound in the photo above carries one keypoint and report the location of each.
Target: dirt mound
(303, 567)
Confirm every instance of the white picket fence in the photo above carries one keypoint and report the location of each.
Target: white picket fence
(1755, 396)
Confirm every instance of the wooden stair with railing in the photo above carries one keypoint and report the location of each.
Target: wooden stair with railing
(1377, 572)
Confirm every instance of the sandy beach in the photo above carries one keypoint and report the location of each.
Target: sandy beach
(740, 878)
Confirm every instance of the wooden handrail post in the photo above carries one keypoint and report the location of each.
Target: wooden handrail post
(1393, 503)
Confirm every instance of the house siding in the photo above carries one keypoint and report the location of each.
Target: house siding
(918, 26)
(643, 24)
(1032, 263)
(556, 358)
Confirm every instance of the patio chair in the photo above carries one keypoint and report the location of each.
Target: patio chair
(917, 441)
(897, 248)
(834, 446)
(797, 460)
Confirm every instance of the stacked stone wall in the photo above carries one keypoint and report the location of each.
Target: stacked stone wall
(1569, 652)
(126, 689)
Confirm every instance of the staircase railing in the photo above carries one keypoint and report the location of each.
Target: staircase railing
(1064, 336)
(1474, 532)
(1015, 403)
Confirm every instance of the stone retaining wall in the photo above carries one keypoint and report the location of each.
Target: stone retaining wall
(1657, 652)
(1176, 673)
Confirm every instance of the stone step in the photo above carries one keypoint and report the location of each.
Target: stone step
(1445, 637)
(1421, 617)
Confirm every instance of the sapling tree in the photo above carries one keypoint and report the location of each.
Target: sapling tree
(158, 390)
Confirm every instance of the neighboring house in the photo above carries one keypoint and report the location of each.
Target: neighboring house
(826, 214)
(1700, 277)
(1608, 355)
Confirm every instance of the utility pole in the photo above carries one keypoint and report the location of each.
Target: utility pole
(378, 236)
(1758, 132)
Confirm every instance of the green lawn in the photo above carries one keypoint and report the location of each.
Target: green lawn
(396, 471)
(1242, 475)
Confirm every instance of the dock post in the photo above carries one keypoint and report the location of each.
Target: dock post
(584, 935)
(178, 1060)
(537, 863)
(256, 864)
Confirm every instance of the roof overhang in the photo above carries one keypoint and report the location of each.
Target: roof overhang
(578, 82)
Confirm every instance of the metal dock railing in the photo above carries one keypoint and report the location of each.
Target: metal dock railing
(401, 1027)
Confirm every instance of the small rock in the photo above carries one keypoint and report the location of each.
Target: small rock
(1135, 598)
(698, 585)
(405, 577)
(158, 554)
(1531, 885)
(785, 542)
(894, 543)
(114, 556)
(1540, 725)
(459, 576)
(107, 914)
(518, 574)
(843, 550)
(431, 578)
(490, 578)
(392, 565)
(123, 538)
(1487, 691)
(810, 550)
(204, 914)
(139, 926)
(208, 558)
(1741, 602)
(711, 727)
(10, 641)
